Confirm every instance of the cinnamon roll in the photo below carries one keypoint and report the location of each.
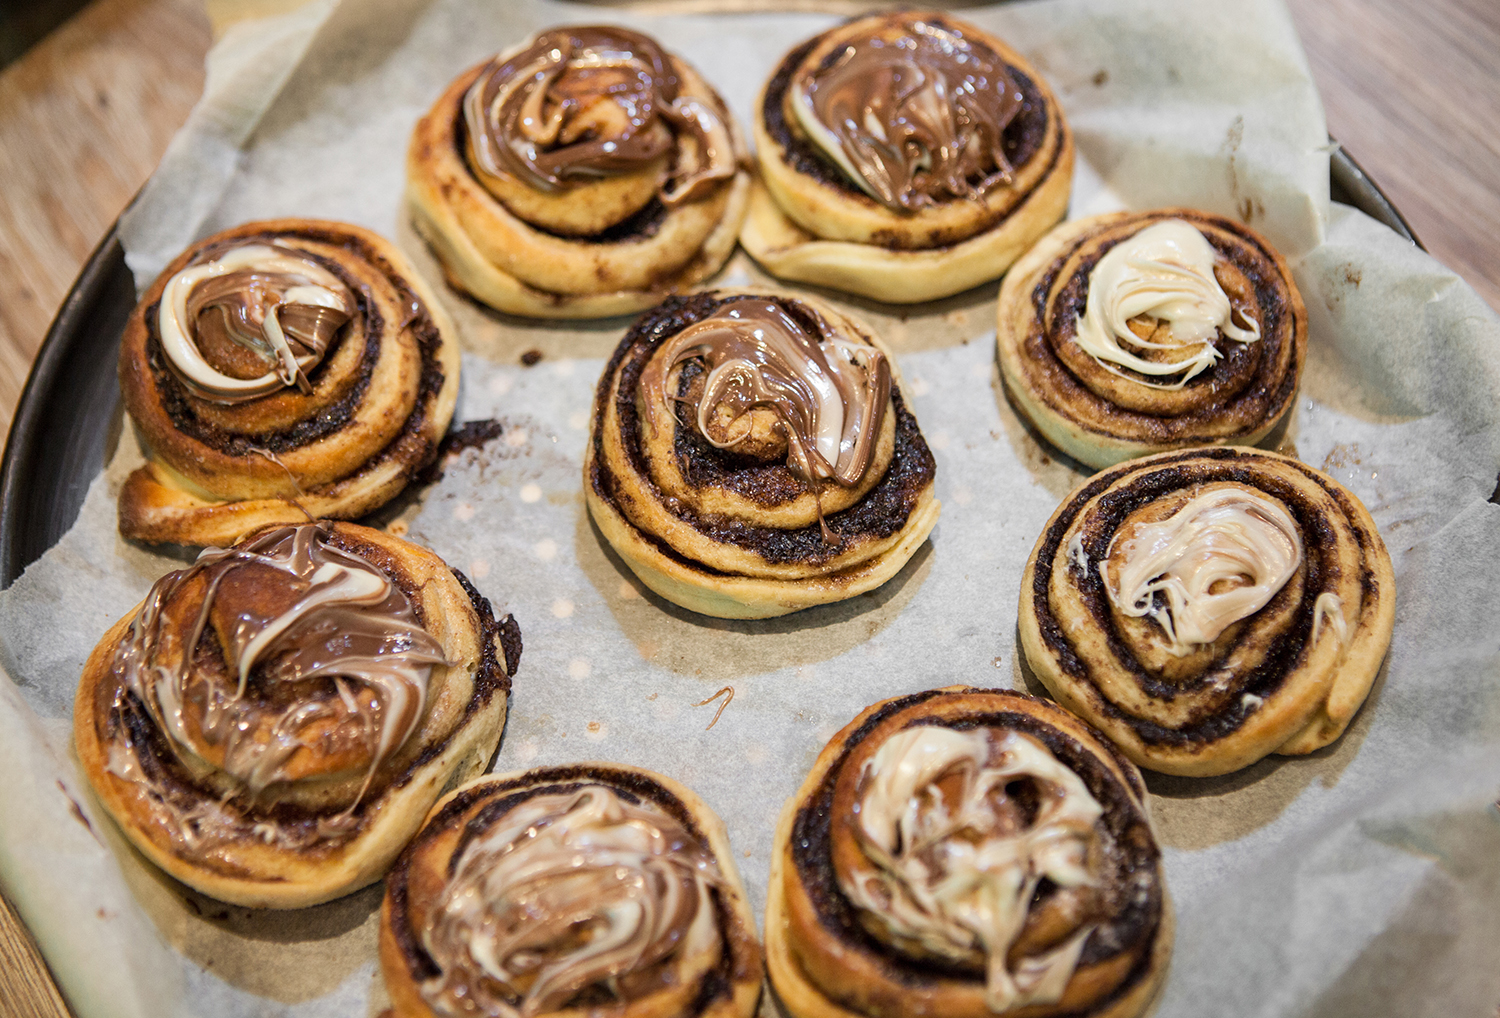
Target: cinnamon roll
(967, 852)
(590, 889)
(1206, 608)
(751, 455)
(905, 157)
(281, 371)
(1136, 332)
(271, 725)
(585, 173)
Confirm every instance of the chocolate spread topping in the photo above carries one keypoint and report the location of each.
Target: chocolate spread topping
(593, 101)
(315, 653)
(828, 394)
(252, 321)
(915, 116)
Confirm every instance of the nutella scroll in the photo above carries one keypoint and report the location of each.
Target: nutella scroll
(967, 853)
(1136, 332)
(273, 722)
(905, 157)
(585, 173)
(277, 372)
(1207, 608)
(590, 889)
(751, 455)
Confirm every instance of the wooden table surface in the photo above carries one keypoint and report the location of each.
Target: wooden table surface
(1411, 89)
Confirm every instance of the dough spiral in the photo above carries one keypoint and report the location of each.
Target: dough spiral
(1206, 608)
(273, 722)
(751, 455)
(277, 371)
(967, 852)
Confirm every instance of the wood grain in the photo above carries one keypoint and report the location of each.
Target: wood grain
(1410, 89)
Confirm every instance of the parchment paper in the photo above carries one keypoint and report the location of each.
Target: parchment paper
(1362, 880)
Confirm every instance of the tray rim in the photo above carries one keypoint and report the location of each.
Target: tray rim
(45, 473)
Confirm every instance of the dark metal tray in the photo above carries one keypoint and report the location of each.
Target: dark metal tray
(61, 431)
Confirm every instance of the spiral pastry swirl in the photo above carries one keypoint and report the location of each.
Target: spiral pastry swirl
(1206, 608)
(967, 852)
(751, 455)
(273, 722)
(582, 174)
(569, 890)
(905, 157)
(278, 371)
(1131, 333)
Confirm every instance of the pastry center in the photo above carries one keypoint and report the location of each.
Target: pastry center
(1217, 560)
(586, 102)
(913, 114)
(255, 320)
(771, 383)
(960, 829)
(320, 664)
(1155, 307)
(566, 895)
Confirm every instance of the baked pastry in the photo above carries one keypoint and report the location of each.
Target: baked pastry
(585, 173)
(967, 853)
(589, 889)
(281, 371)
(1136, 332)
(1206, 608)
(751, 455)
(905, 157)
(271, 725)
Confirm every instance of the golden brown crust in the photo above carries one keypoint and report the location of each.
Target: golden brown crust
(379, 405)
(1100, 417)
(807, 222)
(733, 986)
(765, 563)
(824, 964)
(1282, 680)
(491, 252)
(240, 855)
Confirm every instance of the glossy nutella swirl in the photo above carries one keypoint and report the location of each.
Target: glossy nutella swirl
(593, 101)
(1156, 292)
(955, 858)
(281, 659)
(566, 893)
(822, 395)
(254, 320)
(1217, 560)
(913, 113)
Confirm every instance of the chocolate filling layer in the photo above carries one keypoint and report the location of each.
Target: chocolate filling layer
(1171, 474)
(1133, 904)
(881, 513)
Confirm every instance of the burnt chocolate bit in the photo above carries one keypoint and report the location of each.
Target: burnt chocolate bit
(882, 512)
(1022, 138)
(1133, 904)
(1187, 469)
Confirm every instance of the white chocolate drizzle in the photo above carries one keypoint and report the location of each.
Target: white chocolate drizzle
(957, 874)
(1218, 559)
(294, 280)
(1328, 611)
(1165, 273)
(565, 892)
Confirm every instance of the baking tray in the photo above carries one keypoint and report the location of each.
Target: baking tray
(63, 425)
